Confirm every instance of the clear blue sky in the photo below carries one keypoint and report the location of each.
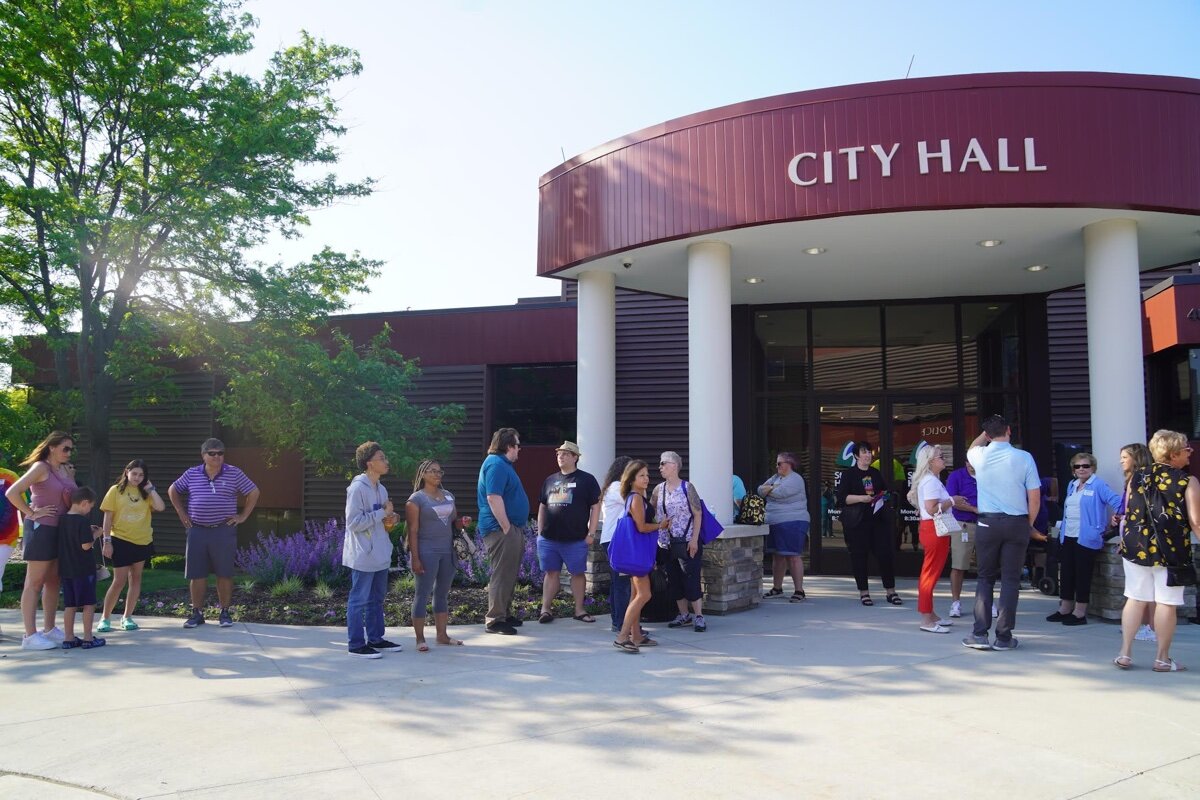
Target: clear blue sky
(461, 106)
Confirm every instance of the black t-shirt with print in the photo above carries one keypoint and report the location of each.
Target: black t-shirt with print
(568, 500)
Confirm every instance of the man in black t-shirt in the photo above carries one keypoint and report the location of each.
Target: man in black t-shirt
(567, 514)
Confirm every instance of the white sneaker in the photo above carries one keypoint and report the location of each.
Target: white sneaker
(995, 611)
(55, 635)
(1146, 634)
(956, 609)
(36, 641)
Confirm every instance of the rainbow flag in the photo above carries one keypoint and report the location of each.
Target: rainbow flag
(9, 526)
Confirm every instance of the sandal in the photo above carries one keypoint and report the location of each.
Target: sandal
(455, 642)
(545, 617)
(773, 593)
(70, 643)
(584, 617)
(422, 647)
(1122, 662)
(894, 599)
(798, 595)
(1170, 665)
(95, 641)
(626, 646)
(866, 600)
(647, 642)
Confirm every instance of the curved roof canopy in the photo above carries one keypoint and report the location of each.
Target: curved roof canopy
(888, 189)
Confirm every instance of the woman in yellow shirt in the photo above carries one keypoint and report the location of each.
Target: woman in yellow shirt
(128, 538)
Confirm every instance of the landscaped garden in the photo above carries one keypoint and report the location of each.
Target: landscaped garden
(299, 580)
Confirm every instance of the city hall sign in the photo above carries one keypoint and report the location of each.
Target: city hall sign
(807, 169)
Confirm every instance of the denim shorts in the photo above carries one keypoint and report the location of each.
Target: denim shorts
(788, 538)
(553, 554)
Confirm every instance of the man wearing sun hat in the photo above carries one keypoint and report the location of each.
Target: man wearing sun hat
(567, 512)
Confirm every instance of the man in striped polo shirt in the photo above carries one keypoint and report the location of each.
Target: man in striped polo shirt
(211, 519)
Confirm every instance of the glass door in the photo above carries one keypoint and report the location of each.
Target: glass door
(841, 421)
(930, 420)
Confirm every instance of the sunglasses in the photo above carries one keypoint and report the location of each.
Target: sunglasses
(68, 448)
(1081, 466)
(215, 453)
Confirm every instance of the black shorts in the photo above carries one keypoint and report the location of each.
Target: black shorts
(79, 592)
(40, 543)
(126, 554)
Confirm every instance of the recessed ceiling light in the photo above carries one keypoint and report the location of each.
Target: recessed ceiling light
(815, 251)
(754, 280)
(770, 341)
(993, 308)
(990, 243)
(762, 316)
(1037, 268)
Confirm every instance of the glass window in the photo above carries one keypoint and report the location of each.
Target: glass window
(977, 408)
(921, 350)
(787, 430)
(991, 345)
(847, 348)
(1174, 379)
(539, 401)
(781, 341)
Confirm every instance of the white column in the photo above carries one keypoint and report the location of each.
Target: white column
(596, 374)
(710, 376)
(1114, 328)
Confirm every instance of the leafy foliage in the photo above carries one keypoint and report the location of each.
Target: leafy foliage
(21, 426)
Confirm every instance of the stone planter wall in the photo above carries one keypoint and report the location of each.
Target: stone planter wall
(1108, 587)
(731, 577)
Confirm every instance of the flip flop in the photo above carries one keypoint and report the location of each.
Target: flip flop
(545, 617)
(647, 642)
(1170, 665)
(1122, 662)
(584, 617)
(422, 647)
(626, 647)
(456, 642)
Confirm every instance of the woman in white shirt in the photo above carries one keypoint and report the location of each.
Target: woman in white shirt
(930, 497)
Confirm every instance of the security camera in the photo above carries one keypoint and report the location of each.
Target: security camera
(627, 263)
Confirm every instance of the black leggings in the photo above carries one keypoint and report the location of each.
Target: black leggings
(683, 572)
(1075, 564)
(875, 535)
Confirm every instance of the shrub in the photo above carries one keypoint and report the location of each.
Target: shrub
(14, 576)
(167, 562)
(322, 591)
(314, 554)
(287, 587)
(405, 584)
(248, 584)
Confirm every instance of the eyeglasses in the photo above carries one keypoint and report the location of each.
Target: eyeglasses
(1081, 466)
(215, 453)
(781, 463)
(434, 472)
(68, 448)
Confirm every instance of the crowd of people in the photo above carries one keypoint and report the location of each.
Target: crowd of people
(988, 511)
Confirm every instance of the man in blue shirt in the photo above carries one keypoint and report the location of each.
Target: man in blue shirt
(503, 512)
(1009, 499)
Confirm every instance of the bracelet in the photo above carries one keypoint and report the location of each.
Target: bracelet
(108, 540)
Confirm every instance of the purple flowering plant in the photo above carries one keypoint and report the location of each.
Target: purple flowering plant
(313, 554)
(475, 569)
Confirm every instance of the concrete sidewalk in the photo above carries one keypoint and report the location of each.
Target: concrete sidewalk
(818, 699)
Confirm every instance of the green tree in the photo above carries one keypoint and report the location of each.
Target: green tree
(136, 170)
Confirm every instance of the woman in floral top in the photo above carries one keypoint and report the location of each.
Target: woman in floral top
(1163, 508)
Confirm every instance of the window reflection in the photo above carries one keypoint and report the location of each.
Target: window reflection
(847, 348)
(921, 350)
(991, 345)
(782, 341)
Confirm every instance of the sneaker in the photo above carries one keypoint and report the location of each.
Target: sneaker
(104, 626)
(1071, 620)
(1057, 616)
(226, 619)
(956, 609)
(194, 619)
(680, 621)
(995, 611)
(977, 643)
(1011, 644)
(700, 625)
(500, 627)
(55, 635)
(365, 652)
(1146, 634)
(36, 641)
(385, 645)
(127, 624)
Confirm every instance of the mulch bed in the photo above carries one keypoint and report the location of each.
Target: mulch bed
(468, 604)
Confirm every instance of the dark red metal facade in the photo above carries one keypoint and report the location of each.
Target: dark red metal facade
(1103, 139)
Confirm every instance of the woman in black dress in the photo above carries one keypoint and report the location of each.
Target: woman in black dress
(867, 530)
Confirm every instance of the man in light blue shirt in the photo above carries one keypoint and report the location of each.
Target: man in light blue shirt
(1009, 499)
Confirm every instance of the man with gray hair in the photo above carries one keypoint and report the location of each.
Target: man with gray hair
(210, 520)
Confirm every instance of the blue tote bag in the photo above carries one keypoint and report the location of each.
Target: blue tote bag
(631, 551)
(709, 527)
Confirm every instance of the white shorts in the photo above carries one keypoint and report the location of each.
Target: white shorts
(1149, 584)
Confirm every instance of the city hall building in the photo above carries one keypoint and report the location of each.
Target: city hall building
(887, 262)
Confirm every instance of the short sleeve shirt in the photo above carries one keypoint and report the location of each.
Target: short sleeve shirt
(131, 514)
(434, 534)
(497, 476)
(1003, 475)
(74, 531)
(930, 488)
(962, 483)
(211, 502)
(568, 501)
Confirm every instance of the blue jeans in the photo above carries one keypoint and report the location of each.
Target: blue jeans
(618, 598)
(364, 607)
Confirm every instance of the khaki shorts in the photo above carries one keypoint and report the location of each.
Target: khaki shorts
(962, 553)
